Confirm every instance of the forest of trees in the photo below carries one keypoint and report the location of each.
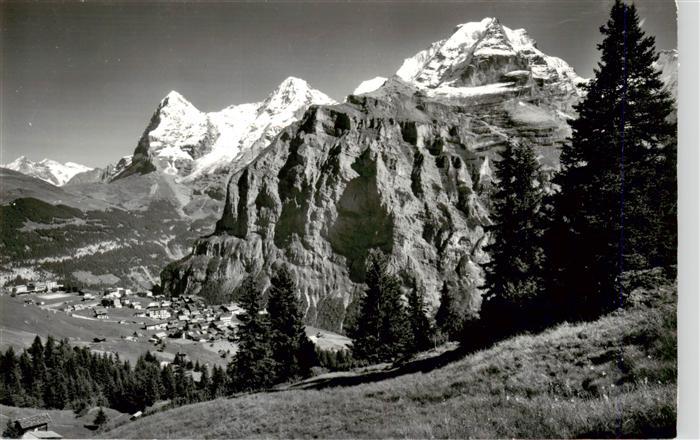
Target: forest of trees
(57, 376)
(272, 345)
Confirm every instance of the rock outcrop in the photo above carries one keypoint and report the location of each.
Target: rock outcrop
(393, 169)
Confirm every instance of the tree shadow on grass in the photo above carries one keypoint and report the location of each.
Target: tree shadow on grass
(422, 365)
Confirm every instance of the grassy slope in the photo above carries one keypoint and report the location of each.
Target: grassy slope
(609, 378)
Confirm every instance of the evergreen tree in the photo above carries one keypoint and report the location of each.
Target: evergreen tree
(382, 330)
(514, 274)
(167, 379)
(421, 327)
(100, 418)
(204, 384)
(616, 210)
(447, 318)
(11, 430)
(366, 344)
(218, 382)
(252, 367)
(12, 378)
(287, 330)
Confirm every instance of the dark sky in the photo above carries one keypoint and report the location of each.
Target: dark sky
(79, 81)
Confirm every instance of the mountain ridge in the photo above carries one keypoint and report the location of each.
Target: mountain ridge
(47, 170)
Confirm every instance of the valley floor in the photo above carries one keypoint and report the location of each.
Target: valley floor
(615, 377)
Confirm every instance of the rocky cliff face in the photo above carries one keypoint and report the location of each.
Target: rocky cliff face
(404, 165)
(393, 169)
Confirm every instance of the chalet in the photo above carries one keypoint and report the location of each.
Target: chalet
(101, 313)
(53, 286)
(158, 313)
(226, 317)
(161, 335)
(37, 422)
(38, 287)
(156, 326)
(21, 288)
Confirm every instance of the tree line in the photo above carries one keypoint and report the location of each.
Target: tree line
(55, 375)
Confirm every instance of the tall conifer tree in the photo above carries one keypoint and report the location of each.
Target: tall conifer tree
(252, 366)
(382, 329)
(447, 318)
(289, 342)
(617, 207)
(513, 278)
(421, 327)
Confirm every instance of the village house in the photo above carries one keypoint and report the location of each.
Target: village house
(158, 313)
(156, 326)
(101, 313)
(36, 427)
(21, 288)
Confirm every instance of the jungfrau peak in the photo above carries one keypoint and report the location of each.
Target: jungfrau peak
(491, 57)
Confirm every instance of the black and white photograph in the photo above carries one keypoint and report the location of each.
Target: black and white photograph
(341, 219)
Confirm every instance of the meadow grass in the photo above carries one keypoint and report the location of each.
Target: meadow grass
(614, 377)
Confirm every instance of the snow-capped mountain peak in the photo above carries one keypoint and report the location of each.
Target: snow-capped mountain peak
(186, 142)
(175, 100)
(369, 85)
(292, 93)
(47, 170)
(487, 53)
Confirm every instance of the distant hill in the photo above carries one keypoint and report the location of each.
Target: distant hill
(15, 185)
